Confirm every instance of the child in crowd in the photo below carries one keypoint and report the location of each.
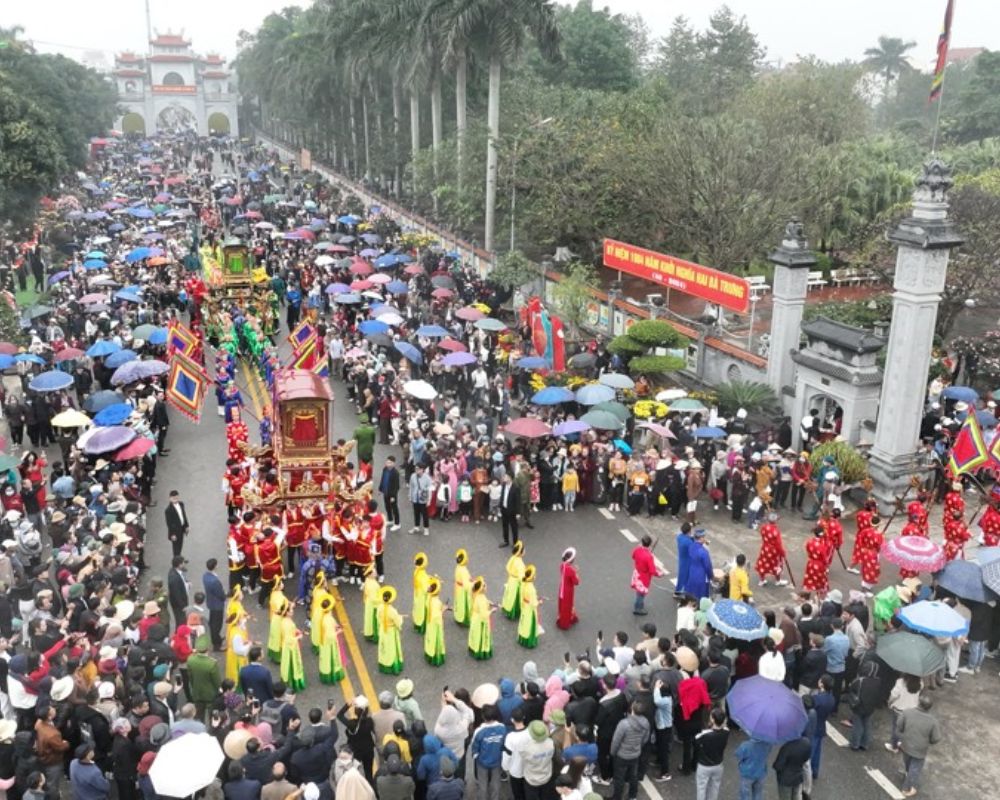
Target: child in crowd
(570, 486)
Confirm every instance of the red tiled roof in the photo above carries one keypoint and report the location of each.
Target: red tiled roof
(130, 73)
(169, 40)
(214, 58)
(128, 58)
(215, 73)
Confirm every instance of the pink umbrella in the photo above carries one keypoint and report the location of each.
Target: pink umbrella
(452, 345)
(338, 248)
(360, 268)
(68, 354)
(442, 294)
(659, 430)
(253, 215)
(355, 352)
(137, 448)
(360, 286)
(94, 297)
(380, 278)
(528, 427)
(8, 349)
(413, 269)
(469, 313)
(915, 553)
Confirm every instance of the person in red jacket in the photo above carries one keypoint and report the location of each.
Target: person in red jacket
(645, 568)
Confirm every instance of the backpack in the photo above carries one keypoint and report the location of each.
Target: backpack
(270, 712)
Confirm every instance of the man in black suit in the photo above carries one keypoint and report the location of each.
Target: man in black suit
(510, 504)
(160, 423)
(388, 485)
(177, 521)
(178, 589)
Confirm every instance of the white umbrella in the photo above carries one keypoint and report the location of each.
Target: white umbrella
(324, 261)
(616, 380)
(186, 765)
(390, 318)
(422, 390)
(671, 394)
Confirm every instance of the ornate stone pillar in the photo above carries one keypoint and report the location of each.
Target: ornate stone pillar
(792, 262)
(924, 241)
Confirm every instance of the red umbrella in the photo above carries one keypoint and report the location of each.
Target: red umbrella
(413, 269)
(253, 215)
(360, 268)
(915, 553)
(68, 354)
(453, 345)
(442, 294)
(137, 448)
(528, 427)
(467, 313)
(360, 286)
(8, 349)
(338, 248)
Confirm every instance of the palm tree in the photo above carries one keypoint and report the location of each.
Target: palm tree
(888, 60)
(497, 29)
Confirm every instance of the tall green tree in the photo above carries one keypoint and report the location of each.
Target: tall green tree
(978, 112)
(888, 59)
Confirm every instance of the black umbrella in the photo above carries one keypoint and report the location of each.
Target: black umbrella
(70, 247)
(583, 360)
(380, 339)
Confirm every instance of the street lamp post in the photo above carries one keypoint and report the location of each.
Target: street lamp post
(513, 176)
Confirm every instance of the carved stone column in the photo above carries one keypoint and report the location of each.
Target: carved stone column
(792, 262)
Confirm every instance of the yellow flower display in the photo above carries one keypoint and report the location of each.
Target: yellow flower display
(646, 409)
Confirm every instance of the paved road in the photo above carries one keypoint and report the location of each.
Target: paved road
(604, 541)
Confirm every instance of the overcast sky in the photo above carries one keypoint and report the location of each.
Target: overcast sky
(830, 29)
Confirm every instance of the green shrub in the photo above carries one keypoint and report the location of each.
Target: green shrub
(625, 346)
(853, 467)
(653, 365)
(656, 333)
(751, 395)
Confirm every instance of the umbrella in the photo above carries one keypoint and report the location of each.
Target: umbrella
(490, 324)
(96, 254)
(6, 361)
(991, 568)
(380, 279)
(409, 352)
(613, 407)
(144, 331)
(103, 347)
(105, 440)
(910, 653)
(338, 288)
(93, 297)
(373, 326)
(431, 331)
(422, 390)
(94, 263)
(964, 393)
(659, 430)
(37, 311)
(594, 393)
(459, 359)
(59, 276)
(137, 448)
(101, 400)
(602, 420)
(442, 293)
(767, 710)
(381, 340)
(368, 252)
(397, 287)
(738, 620)
(347, 299)
(964, 579)
(413, 269)
(452, 345)
(8, 462)
(617, 381)
(390, 318)
(528, 427)
(442, 282)
(120, 357)
(70, 418)
(51, 381)
(68, 354)
(583, 360)
(688, 404)
(709, 432)
(622, 445)
(532, 362)
(113, 415)
(29, 358)
(158, 336)
(360, 268)
(132, 372)
(8, 348)
(915, 553)
(186, 765)
(933, 618)
(570, 427)
(470, 314)
(986, 419)
(128, 296)
(552, 395)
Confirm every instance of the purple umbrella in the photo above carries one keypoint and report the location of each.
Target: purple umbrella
(767, 709)
(338, 288)
(368, 252)
(570, 427)
(104, 440)
(459, 359)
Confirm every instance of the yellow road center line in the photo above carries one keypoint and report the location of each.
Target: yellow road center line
(352, 645)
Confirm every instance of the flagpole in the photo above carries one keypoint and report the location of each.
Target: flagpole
(946, 33)
(937, 116)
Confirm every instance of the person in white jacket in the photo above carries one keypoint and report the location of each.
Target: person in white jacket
(772, 664)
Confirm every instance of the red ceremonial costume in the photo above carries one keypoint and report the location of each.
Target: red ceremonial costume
(817, 565)
(869, 546)
(295, 525)
(953, 501)
(236, 434)
(864, 520)
(956, 534)
(833, 534)
(990, 524)
(916, 512)
(268, 555)
(569, 578)
(772, 551)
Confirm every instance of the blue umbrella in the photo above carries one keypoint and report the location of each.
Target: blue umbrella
(964, 393)
(127, 296)
(431, 331)
(29, 358)
(116, 227)
(347, 299)
(113, 415)
(460, 359)
(6, 361)
(101, 400)
(141, 213)
(622, 445)
(767, 710)
(410, 352)
(709, 432)
(933, 618)
(387, 261)
(397, 287)
(130, 372)
(532, 362)
(157, 337)
(570, 427)
(403, 258)
(94, 216)
(104, 440)
(987, 555)
(138, 254)
(348, 219)
(94, 263)
(103, 347)
(373, 326)
(983, 417)
(96, 254)
(51, 381)
(120, 357)
(594, 393)
(372, 238)
(738, 620)
(552, 395)
(964, 579)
